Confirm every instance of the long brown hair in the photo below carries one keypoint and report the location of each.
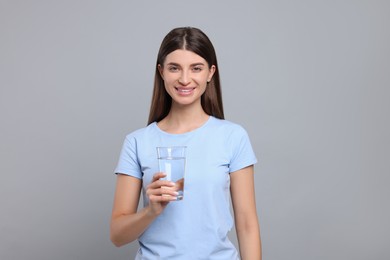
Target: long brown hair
(191, 39)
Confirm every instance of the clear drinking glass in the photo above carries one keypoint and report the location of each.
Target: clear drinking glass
(172, 161)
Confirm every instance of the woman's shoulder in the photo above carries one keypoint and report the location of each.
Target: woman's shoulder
(141, 132)
(227, 127)
(227, 124)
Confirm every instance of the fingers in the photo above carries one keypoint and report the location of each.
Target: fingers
(158, 176)
(157, 182)
(179, 185)
(162, 198)
(161, 190)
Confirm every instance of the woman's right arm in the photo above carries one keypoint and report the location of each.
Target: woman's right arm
(126, 223)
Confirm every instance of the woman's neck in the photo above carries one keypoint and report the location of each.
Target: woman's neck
(180, 121)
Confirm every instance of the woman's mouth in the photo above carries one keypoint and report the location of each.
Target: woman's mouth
(184, 91)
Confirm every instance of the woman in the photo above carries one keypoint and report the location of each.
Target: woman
(187, 110)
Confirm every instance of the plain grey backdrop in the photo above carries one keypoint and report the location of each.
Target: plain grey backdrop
(309, 80)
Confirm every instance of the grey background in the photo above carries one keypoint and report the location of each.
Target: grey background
(309, 80)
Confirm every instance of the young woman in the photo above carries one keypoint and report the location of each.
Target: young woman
(187, 110)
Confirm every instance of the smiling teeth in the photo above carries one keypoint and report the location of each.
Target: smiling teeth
(185, 90)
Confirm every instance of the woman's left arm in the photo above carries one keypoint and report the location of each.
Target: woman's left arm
(245, 214)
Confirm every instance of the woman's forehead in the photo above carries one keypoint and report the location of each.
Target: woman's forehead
(183, 56)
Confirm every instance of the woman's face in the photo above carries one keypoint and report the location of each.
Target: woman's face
(185, 76)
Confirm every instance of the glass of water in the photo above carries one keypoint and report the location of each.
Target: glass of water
(172, 162)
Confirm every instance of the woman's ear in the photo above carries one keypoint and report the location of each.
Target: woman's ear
(160, 69)
(211, 73)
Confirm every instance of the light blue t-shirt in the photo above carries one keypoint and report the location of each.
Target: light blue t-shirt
(197, 226)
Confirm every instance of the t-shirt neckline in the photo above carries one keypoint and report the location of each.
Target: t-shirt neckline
(186, 133)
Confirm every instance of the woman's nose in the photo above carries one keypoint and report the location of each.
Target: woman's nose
(184, 78)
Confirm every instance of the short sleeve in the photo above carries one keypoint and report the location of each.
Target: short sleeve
(128, 160)
(242, 152)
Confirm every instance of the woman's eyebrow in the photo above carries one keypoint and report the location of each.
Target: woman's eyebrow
(173, 64)
(198, 64)
(192, 65)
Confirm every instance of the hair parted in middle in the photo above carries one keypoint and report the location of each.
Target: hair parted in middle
(191, 39)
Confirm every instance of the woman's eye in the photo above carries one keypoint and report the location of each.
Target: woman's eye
(197, 69)
(173, 69)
